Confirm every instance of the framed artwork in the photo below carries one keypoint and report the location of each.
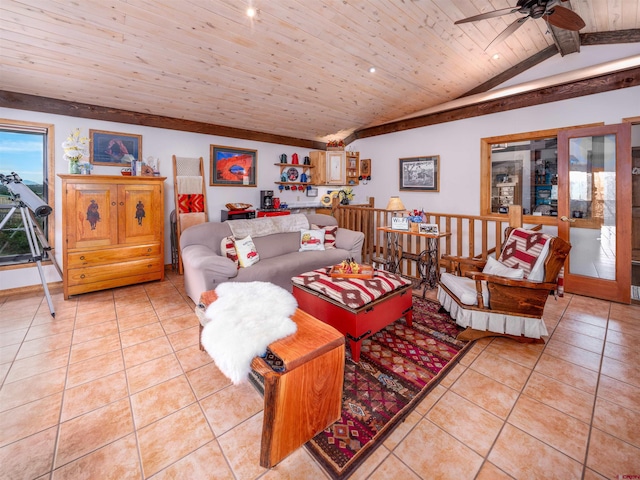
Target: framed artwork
(421, 174)
(428, 228)
(233, 167)
(114, 149)
(365, 167)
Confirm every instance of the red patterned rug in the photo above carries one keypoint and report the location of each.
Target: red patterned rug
(398, 366)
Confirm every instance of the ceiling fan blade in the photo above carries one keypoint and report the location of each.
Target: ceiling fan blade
(562, 17)
(508, 31)
(482, 16)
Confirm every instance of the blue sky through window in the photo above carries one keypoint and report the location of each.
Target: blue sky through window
(22, 153)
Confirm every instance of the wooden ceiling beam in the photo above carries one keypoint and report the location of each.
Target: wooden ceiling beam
(82, 110)
(614, 81)
(631, 35)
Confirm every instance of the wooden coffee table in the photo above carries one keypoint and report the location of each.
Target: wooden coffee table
(358, 308)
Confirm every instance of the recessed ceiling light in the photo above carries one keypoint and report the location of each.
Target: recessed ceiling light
(251, 12)
(372, 69)
(496, 56)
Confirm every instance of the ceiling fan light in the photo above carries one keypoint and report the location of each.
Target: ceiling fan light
(372, 69)
(496, 56)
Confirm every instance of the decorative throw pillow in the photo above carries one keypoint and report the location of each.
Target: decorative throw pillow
(330, 232)
(228, 249)
(494, 267)
(247, 253)
(311, 240)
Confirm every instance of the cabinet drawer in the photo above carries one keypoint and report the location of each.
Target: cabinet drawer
(92, 274)
(112, 255)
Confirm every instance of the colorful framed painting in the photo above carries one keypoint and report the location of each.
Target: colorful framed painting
(233, 167)
(420, 174)
(114, 149)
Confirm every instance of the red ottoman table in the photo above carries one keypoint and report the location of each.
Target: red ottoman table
(356, 307)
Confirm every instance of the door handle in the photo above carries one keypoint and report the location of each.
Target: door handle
(564, 218)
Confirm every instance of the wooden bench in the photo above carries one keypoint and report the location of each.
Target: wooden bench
(306, 396)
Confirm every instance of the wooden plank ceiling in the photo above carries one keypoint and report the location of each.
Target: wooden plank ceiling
(299, 68)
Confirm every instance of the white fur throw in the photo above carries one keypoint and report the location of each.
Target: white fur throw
(243, 321)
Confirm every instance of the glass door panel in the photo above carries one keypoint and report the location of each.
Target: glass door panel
(593, 211)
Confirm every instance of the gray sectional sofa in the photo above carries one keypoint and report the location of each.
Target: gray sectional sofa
(277, 243)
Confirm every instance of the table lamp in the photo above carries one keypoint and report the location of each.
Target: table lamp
(395, 205)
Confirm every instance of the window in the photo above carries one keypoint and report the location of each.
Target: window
(26, 148)
(521, 169)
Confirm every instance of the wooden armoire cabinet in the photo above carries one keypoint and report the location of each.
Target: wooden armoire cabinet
(113, 231)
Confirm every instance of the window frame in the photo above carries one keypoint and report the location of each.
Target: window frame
(48, 179)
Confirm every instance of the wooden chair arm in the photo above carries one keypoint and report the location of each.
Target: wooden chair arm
(462, 265)
(512, 282)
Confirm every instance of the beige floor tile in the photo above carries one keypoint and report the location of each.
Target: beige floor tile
(499, 368)
(625, 372)
(559, 430)
(192, 357)
(103, 313)
(231, 406)
(618, 392)
(239, 446)
(30, 457)
(402, 430)
(142, 334)
(576, 326)
(93, 395)
(114, 461)
(143, 352)
(623, 338)
(94, 348)
(525, 457)
(166, 312)
(567, 372)
(86, 433)
(164, 442)
(392, 467)
(206, 463)
(563, 397)
(180, 322)
(32, 388)
(96, 331)
(454, 414)
(521, 353)
(50, 328)
(612, 457)
(206, 380)
(617, 421)
(25, 420)
(13, 337)
(579, 356)
(135, 316)
(490, 472)
(8, 353)
(184, 338)
(161, 400)
(625, 354)
(153, 372)
(94, 368)
(486, 392)
(426, 449)
(298, 465)
(45, 344)
(37, 364)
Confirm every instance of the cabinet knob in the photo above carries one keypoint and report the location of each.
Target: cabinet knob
(82, 276)
(113, 204)
(121, 203)
(149, 250)
(82, 257)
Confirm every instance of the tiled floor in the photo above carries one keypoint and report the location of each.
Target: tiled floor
(116, 387)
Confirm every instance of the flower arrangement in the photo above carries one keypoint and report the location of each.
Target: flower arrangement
(335, 143)
(75, 149)
(346, 195)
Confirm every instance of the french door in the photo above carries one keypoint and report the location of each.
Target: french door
(594, 210)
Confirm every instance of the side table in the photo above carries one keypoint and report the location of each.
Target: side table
(304, 395)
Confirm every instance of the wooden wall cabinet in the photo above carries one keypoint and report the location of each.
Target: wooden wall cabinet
(330, 167)
(353, 168)
(113, 231)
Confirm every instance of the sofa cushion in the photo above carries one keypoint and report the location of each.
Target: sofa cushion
(228, 249)
(311, 240)
(494, 267)
(330, 232)
(247, 253)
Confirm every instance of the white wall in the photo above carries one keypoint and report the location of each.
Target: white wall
(457, 143)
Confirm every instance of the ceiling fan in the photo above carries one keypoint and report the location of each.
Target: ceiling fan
(555, 14)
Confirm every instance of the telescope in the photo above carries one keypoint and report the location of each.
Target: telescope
(24, 200)
(21, 193)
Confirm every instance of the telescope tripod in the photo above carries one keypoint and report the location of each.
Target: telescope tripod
(37, 245)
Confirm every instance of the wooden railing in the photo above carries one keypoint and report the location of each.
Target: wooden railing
(471, 235)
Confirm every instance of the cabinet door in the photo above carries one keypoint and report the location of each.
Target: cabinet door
(336, 168)
(91, 215)
(319, 173)
(141, 213)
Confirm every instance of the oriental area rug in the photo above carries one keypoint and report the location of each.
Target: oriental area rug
(398, 367)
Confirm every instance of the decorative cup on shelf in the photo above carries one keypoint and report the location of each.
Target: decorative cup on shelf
(126, 171)
(303, 178)
(294, 159)
(283, 158)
